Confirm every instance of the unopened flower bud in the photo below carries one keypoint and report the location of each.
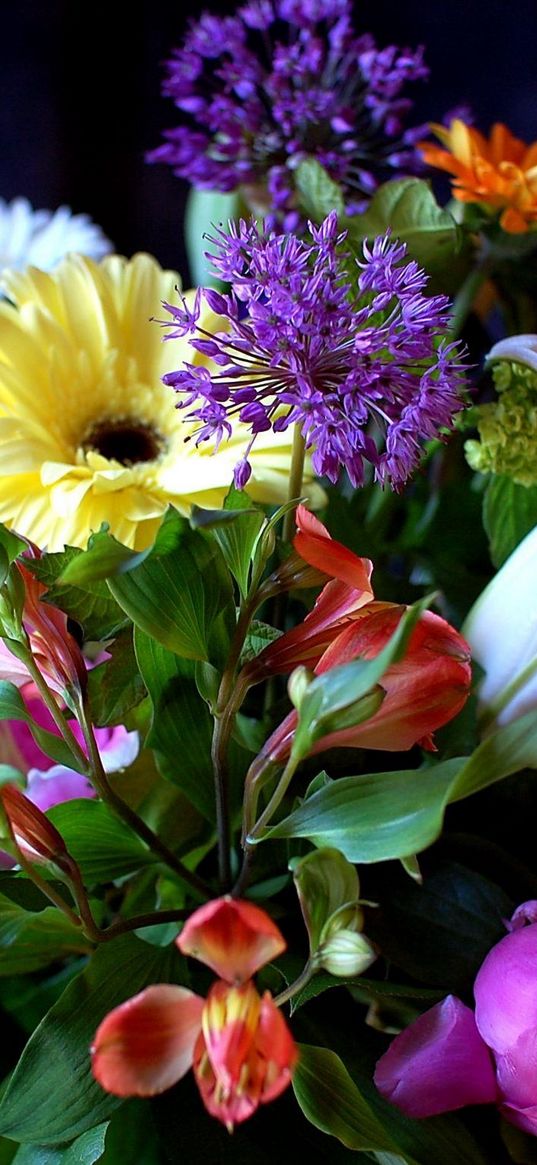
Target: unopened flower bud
(34, 835)
(346, 953)
(299, 682)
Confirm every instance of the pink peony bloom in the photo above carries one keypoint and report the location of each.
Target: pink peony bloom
(451, 1057)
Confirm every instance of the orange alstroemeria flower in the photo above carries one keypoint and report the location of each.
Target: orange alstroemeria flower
(422, 692)
(499, 173)
(236, 1041)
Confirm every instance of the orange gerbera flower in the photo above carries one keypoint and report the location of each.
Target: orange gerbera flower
(500, 173)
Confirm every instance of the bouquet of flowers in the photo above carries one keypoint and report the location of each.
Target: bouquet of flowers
(268, 632)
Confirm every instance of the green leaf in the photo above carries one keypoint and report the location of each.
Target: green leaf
(11, 543)
(318, 193)
(179, 592)
(102, 845)
(115, 687)
(29, 941)
(182, 727)
(206, 209)
(104, 558)
(12, 707)
(86, 1150)
(379, 816)
(91, 605)
(332, 1102)
(51, 1096)
(509, 513)
(408, 206)
(237, 533)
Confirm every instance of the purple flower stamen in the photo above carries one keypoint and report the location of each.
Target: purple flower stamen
(365, 368)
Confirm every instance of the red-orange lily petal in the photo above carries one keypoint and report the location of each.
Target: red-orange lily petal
(423, 691)
(233, 937)
(347, 592)
(314, 544)
(147, 1044)
(245, 1055)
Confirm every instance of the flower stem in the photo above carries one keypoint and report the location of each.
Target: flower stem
(130, 817)
(228, 701)
(276, 799)
(465, 298)
(296, 474)
(293, 988)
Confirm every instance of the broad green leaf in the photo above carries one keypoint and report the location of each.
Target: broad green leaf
(104, 558)
(509, 513)
(86, 1150)
(115, 687)
(104, 847)
(177, 594)
(131, 1137)
(206, 209)
(318, 193)
(330, 1099)
(181, 727)
(11, 543)
(12, 707)
(377, 816)
(90, 605)
(380, 816)
(408, 206)
(52, 1097)
(29, 941)
(236, 532)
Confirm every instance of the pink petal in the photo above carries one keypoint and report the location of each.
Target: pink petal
(145, 1045)
(506, 990)
(438, 1064)
(56, 785)
(233, 937)
(517, 1078)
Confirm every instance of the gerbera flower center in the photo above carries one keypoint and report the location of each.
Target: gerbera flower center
(126, 440)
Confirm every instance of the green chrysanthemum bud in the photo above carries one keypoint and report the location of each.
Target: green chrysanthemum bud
(508, 427)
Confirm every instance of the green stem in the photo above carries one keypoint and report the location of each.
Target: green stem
(296, 474)
(42, 885)
(293, 989)
(276, 799)
(508, 693)
(465, 297)
(130, 817)
(63, 726)
(229, 699)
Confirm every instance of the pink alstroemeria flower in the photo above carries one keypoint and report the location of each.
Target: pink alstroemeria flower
(236, 1041)
(452, 1056)
(422, 692)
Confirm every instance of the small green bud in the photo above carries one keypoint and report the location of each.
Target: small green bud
(298, 684)
(346, 954)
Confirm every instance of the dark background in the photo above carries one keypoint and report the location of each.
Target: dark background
(80, 97)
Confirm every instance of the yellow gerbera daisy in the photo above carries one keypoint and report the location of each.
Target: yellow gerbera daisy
(88, 433)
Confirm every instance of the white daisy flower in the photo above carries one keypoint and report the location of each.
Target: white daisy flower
(40, 238)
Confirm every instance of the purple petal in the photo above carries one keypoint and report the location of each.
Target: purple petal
(117, 747)
(505, 990)
(438, 1064)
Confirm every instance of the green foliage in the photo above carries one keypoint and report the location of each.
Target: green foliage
(52, 1097)
(100, 843)
(509, 513)
(378, 816)
(409, 207)
(29, 941)
(89, 603)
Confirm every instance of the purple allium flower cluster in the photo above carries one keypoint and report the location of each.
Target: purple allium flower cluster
(282, 80)
(365, 370)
